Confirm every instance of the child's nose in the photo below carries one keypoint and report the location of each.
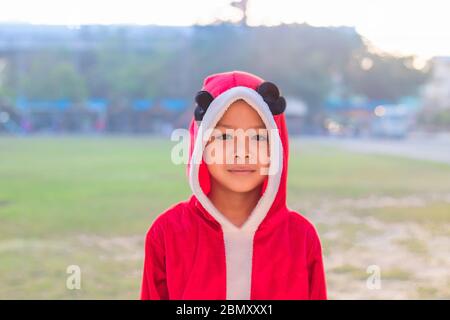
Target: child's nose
(242, 149)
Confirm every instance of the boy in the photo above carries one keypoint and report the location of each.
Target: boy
(235, 238)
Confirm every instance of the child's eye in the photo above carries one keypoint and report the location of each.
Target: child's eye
(260, 137)
(224, 136)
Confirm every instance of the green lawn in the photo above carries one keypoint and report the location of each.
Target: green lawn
(89, 201)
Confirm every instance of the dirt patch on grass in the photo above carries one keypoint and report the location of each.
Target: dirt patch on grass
(413, 257)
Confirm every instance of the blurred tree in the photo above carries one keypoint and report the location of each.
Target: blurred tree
(51, 76)
(383, 76)
(115, 70)
(124, 63)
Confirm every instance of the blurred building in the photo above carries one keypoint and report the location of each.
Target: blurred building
(95, 115)
(436, 94)
(295, 113)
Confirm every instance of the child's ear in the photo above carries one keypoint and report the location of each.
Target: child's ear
(203, 100)
(271, 95)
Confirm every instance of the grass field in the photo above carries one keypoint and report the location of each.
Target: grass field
(89, 201)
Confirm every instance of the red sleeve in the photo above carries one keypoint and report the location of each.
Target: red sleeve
(154, 285)
(317, 282)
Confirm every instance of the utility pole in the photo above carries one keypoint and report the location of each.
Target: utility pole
(241, 5)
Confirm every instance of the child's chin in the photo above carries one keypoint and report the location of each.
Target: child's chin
(243, 187)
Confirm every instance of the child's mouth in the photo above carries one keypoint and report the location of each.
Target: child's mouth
(241, 171)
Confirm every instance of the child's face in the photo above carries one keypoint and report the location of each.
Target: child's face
(237, 154)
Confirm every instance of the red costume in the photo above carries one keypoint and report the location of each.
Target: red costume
(193, 252)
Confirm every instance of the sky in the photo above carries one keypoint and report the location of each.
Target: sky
(419, 27)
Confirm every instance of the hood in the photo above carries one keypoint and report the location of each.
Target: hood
(219, 91)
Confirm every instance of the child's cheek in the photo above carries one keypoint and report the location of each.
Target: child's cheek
(259, 152)
(214, 152)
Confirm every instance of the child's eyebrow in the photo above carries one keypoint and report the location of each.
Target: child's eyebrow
(259, 126)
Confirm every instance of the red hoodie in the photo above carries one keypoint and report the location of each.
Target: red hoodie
(193, 252)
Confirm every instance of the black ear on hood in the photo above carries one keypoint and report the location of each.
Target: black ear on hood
(203, 100)
(271, 95)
